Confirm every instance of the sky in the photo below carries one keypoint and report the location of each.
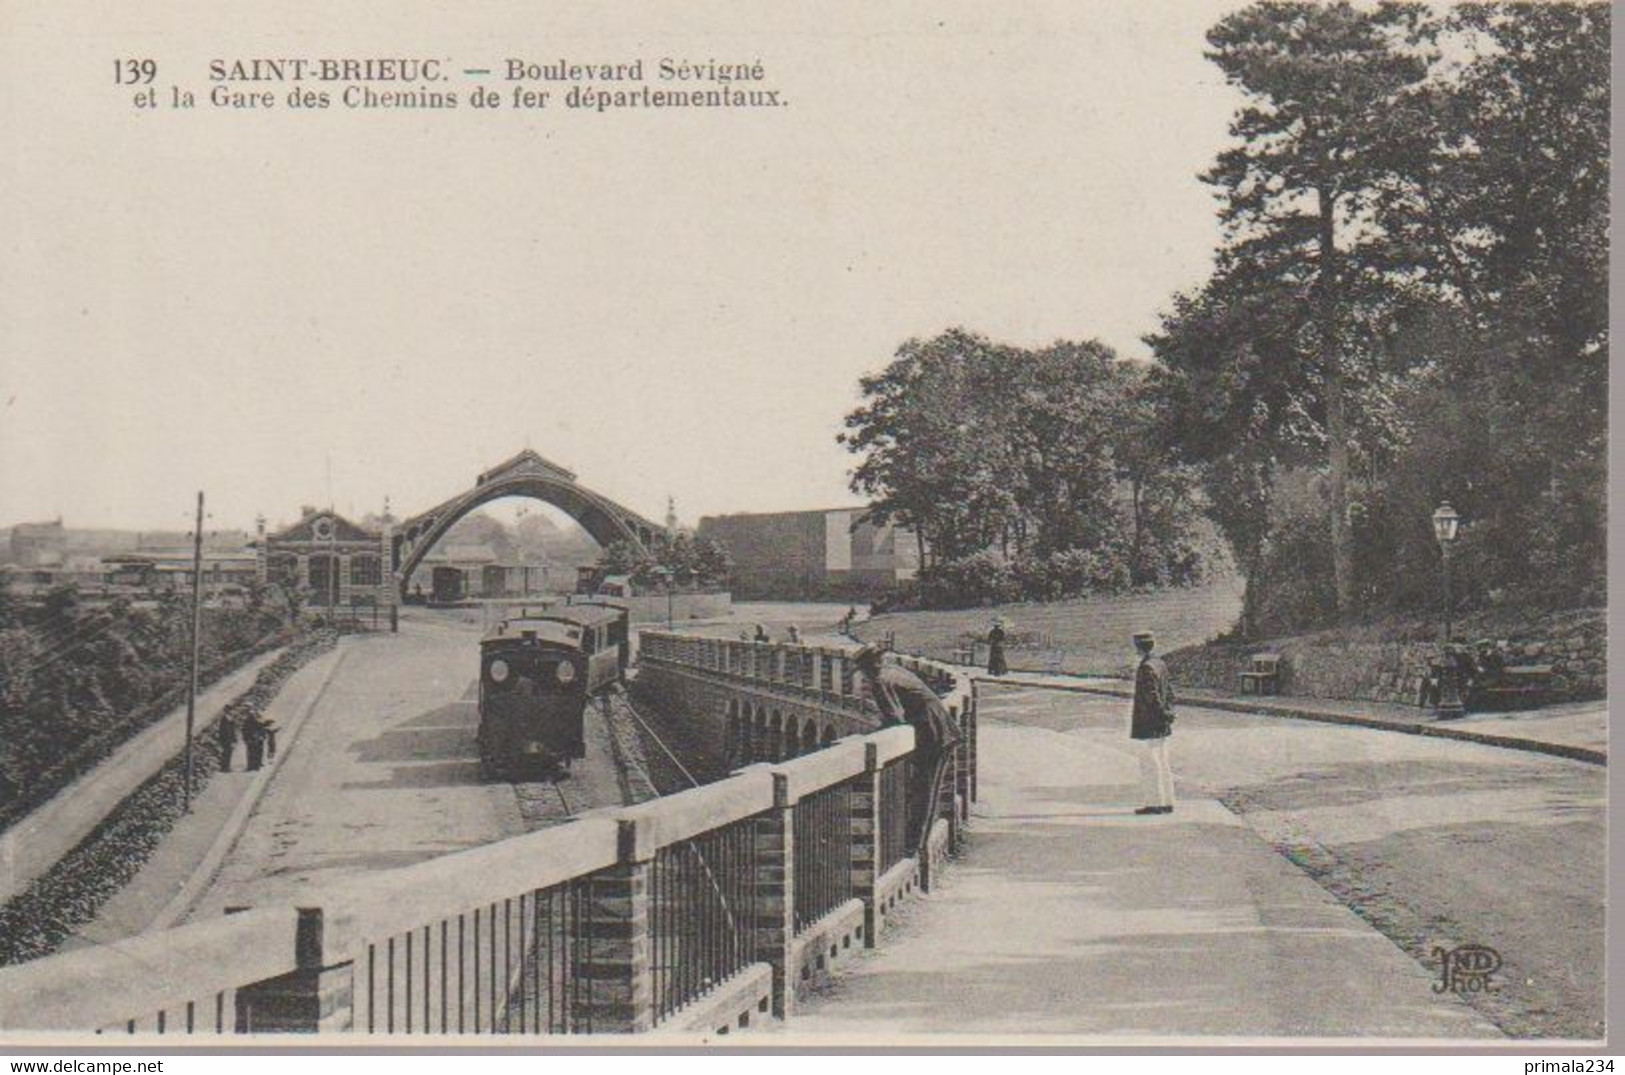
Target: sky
(285, 308)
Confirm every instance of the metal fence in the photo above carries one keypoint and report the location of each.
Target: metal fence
(701, 905)
(895, 777)
(823, 853)
(508, 967)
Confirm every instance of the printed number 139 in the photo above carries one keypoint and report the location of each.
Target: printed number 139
(139, 72)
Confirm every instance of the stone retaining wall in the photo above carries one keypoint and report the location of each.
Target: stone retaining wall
(1387, 664)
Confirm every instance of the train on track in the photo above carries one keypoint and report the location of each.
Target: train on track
(537, 674)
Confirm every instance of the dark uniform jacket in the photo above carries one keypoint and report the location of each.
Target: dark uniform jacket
(904, 699)
(1153, 715)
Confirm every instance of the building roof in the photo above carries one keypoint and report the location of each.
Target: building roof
(526, 460)
(323, 526)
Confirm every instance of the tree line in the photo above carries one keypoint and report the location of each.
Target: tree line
(1408, 305)
(78, 678)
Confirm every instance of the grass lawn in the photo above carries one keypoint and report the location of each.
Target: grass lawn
(1086, 635)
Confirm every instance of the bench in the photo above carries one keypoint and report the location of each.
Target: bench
(1264, 677)
(1519, 682)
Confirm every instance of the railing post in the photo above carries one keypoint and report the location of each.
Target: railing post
(951, 807)
(315, 998)
(775, 917)
(972, 733)
(613, 961)
(866, 840)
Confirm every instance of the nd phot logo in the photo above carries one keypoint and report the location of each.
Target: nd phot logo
(1467, 968)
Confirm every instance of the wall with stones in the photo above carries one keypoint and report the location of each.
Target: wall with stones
(1387, 664)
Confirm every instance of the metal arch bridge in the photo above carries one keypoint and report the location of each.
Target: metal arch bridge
(526, 474)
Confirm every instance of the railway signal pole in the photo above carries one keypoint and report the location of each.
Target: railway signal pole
(197, 637)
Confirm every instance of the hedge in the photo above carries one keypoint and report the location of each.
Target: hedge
(36, 921)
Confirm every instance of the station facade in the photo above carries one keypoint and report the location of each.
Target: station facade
(334, 562)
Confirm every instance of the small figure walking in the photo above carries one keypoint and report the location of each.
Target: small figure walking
(1152, 724)
(269, 726)
(903, 698)
(996, 664)
(254, 740)
(793, 635)
(761, 633)
(226, 732)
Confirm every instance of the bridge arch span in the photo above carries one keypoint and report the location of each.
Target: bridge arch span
(525, 475)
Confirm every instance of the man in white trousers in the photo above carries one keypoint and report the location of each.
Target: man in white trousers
(1151, 724)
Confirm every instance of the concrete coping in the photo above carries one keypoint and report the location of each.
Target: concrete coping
(149, 973)
(370, 909)
(672, 819)
(834, 764)
(891, 743)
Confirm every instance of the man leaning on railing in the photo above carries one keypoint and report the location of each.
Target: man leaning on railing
(903, 698)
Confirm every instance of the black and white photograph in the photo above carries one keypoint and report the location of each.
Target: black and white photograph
(924, 524)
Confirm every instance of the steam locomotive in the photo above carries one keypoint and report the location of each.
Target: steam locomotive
(537, 673)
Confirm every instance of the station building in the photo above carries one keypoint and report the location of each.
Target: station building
(331, 560)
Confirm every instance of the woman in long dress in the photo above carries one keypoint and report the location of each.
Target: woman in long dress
(996, 664)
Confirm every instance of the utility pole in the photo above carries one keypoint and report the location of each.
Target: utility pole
(197, 639)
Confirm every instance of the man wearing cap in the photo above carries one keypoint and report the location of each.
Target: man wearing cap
(1152, 724)
(903, 698)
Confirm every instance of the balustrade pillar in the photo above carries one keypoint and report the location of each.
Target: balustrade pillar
(866, 840)
(613, 962)
(315, 998)
(775, 887)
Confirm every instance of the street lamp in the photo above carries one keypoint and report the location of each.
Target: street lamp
(1446, 523)
(666, 576)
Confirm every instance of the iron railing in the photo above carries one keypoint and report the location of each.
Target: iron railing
(895, 778)
(823, 853)
(508, 967)
(700, 914)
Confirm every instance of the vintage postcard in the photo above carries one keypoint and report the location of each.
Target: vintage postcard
(926, 523)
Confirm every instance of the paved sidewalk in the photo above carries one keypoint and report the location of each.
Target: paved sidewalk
(192, 849)
(1069, 916)
(1577, 730)
(37, 842)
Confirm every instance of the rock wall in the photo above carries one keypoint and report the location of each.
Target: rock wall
(1387, 663)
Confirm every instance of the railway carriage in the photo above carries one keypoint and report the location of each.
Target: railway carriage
(537, 674)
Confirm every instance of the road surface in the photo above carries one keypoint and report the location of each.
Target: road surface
(386, 774)
(1435, 843)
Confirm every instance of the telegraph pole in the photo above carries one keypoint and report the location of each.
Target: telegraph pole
(197, 638)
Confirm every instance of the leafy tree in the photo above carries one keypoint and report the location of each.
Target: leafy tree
(933, 459)
(682, 560)
(1064, 433)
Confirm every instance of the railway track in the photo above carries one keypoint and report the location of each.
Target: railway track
(543, 803)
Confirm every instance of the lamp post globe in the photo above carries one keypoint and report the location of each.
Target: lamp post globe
(1446, 526)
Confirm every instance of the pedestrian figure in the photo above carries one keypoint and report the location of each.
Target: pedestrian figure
(793, 635)
(1152, 724)
(761, 633)
(849, 619)
(227, 737)
(269, 726)
(903, 698)
(254, 740)
(996, 664)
